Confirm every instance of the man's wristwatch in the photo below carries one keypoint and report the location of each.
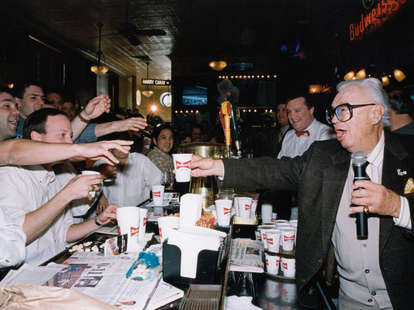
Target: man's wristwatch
(96, 222)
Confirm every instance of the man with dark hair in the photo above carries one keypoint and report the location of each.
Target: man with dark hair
(306, 129)
(36, 195)
(401, 112)
(8, 115)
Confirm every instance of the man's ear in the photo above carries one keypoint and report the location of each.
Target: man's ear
(376, 113)
(312, 110)
(35, 136)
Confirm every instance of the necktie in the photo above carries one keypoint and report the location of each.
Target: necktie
(302, 132)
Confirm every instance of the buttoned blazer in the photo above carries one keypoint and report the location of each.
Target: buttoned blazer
(319, 176)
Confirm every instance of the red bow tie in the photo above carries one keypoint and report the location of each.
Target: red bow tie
(302, 132)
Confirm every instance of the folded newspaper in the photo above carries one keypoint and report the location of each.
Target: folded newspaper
(100, 277)
(246, 256)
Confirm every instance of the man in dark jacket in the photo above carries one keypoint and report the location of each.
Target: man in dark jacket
(375, 273)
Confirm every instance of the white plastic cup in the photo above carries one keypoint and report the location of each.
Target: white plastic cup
(262, 230)
(223, 210)
(272, 263)
(274, 217)
(289, 267)
(258, 236)
(128, 223)
(166, 224)
(245, 204)
(182, 167)
(236, 206)
(273, 240)
(91, 172)
(143, 212)
(267, 213)
(288, 238)
(158, 195)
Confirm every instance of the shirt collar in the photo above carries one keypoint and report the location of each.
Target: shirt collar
(41, 174)
(377, 154)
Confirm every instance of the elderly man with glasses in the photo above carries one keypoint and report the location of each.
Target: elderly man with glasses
(374, 273)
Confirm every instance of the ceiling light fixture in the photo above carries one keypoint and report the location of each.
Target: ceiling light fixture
(399, 75)
(217, 65)
(99, 69)
(147, 93)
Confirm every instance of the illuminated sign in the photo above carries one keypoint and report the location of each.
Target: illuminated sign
(156, 82)
(377, 14)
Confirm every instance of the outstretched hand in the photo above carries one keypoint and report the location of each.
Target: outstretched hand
(202, 167)
(101, 150)
(107, 215)
(96, 106)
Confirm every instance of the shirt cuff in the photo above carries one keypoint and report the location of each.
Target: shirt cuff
(404, 220)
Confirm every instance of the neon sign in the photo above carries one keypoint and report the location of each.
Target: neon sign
(377, 14)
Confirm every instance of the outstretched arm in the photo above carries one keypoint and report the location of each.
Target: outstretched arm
(28, 152)
(133, 123)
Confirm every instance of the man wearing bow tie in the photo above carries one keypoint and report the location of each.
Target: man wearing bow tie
(306, 129)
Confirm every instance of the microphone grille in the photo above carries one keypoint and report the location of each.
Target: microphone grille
(358, 158)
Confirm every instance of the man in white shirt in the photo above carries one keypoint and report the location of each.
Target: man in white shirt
(306, 129)
(132, 179)
(34, 194)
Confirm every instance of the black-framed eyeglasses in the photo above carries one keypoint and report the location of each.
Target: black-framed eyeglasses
(343, 112)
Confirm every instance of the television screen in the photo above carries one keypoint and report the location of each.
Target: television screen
(195, 95)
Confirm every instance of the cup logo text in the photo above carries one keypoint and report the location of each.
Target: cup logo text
(134, 231)
(179, 165)
(227, 211)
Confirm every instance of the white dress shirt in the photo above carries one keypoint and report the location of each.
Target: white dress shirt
(293, 145)
(133, 183)
(358, 260)
(24, 190)
(12, 241)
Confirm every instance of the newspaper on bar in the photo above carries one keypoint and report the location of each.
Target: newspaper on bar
(246, 256)
(100, 277)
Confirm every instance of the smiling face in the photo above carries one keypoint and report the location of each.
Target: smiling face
(363, 130)
(8, 116)
(300, 116)
(165, 140)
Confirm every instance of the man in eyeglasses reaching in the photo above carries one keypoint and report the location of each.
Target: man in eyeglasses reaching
(375, 273)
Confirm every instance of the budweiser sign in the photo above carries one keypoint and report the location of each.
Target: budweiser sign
(156, 194)
(288, 238)
(227, 211)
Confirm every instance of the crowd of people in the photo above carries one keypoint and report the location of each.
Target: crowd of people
(46, 203)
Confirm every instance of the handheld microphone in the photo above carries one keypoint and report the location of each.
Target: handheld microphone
(359, 164)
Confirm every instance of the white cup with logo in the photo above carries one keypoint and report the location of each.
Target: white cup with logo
(182, 167)
(289, 267)
(166, 224)
(223, 211)
(128, 223)
(158, 195)
(272, 263)
(245, 204)
(288, 238)
(273, 240)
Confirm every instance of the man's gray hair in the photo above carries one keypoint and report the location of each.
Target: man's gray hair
(376, 91)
